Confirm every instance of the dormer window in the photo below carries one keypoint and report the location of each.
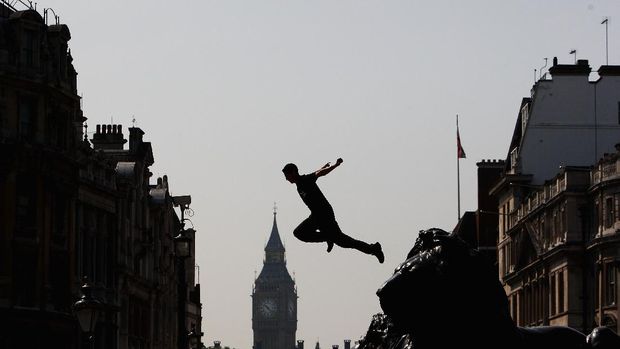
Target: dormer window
(525, 115)
(513, 158)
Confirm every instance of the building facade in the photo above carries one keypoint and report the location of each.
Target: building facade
(558, 237)
(70, 210)
(274, 299)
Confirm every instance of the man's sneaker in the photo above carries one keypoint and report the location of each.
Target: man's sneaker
(378, 252)
(330, 245)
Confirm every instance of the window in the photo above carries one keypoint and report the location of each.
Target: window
(59, 221)
(535, 301)
(513, 157)
(4, 123)
(27, 117)
(556, 225)
(525, 115)
(503, 218)
(29, 48)
(597, 287)
(562, 220)
(596, 218)
(25, 275)
(26, 207)
(514, 307)
(561, 291)
(610, 284)
(609, 212)
(552, 299)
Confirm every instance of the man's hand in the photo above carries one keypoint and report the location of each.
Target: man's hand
(328, 168)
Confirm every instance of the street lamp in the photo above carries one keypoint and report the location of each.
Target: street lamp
(182, 244)
(87, 309)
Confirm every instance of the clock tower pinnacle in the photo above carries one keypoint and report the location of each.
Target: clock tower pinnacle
(274, 298)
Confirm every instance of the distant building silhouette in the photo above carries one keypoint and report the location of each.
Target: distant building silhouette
(274, 299)
(69, 210)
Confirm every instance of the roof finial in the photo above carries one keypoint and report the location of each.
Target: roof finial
(275, 208)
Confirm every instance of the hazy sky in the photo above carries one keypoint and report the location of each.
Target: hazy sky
(229, 91)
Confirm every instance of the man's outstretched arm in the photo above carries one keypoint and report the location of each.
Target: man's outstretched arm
(327, 168)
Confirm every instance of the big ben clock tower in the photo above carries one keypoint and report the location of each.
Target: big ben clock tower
(274, 299)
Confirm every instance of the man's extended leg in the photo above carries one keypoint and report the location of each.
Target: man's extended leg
(345, 241)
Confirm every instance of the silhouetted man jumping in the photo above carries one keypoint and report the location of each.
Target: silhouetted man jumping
(321, 226)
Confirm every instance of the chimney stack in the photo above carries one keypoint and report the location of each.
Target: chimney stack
(108, 137)
(135, 138)
(300, 344)
(347, 344)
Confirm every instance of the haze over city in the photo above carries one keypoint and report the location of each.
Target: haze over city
(228, 92)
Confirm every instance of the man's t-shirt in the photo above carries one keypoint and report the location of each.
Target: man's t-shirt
(312, 195)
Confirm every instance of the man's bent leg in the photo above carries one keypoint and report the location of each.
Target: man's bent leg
(306, 231)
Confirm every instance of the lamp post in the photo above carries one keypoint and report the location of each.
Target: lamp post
(87, 309)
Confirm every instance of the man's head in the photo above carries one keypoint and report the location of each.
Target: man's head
(290, 172)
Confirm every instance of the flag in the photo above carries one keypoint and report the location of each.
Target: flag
(460, 152)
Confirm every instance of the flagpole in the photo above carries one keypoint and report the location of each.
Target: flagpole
(458, 175)
(606, 21)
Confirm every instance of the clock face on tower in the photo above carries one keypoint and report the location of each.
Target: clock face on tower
(268, 308)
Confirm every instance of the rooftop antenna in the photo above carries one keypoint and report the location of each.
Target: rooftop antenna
(133, 121)
(535, 75)
(543, 67)
(574, 53)
(606, 22)
(45, 16)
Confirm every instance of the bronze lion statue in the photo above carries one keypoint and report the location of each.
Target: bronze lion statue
(447, 295)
